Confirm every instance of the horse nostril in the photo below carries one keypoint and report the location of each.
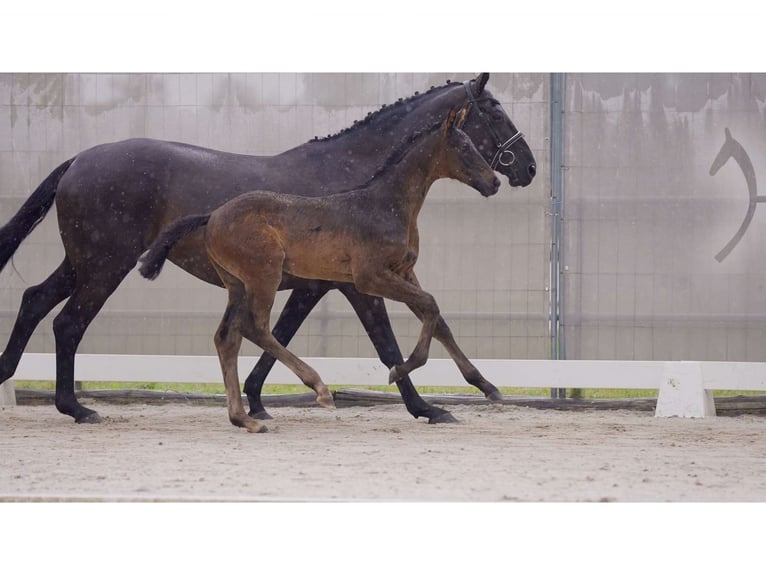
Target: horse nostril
(532, 170)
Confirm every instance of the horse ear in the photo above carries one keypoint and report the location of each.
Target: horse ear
(727, 133)
(479, 83)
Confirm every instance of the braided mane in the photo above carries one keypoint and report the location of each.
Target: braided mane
(385, 111)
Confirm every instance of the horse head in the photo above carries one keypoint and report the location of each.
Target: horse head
(493, 132)
(461, 159)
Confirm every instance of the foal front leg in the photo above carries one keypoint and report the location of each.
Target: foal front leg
(470, 373)
(390, 285)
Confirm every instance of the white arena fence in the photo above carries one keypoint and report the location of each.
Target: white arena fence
(685, 387)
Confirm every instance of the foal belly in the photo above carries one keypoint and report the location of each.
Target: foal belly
(317, 261)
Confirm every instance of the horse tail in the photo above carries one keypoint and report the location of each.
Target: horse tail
(32, 212)
(153, 260)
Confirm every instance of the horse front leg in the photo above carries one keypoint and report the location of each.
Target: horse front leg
(372, 313)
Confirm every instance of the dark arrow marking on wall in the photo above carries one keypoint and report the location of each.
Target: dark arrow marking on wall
(731, 148)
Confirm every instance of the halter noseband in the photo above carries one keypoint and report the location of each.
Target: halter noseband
(503, 155)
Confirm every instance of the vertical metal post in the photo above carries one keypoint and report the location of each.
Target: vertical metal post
(558, 85)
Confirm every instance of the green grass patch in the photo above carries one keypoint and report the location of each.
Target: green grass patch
(218, 389)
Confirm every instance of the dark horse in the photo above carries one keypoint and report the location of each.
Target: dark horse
(140, 186)
(367, 237)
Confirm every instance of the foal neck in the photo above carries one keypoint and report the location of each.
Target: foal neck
(406, 185)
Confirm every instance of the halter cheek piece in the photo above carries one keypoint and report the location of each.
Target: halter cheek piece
(503, 154)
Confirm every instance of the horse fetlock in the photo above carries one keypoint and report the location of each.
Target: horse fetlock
(261, 415)
(6, 369)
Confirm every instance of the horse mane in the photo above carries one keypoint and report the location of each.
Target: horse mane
(384, 112)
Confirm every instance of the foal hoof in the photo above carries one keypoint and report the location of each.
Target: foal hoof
(393, 375)
(326, 401)
(495, 396)
(257, 428)
(91, 417)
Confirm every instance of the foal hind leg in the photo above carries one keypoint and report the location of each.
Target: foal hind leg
(264, 339)
(228, 339)
(260, 297)
(297, 308)
(36, 303)
(258, 278)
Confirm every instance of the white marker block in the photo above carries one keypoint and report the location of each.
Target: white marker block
(7, 394)
(682, 393)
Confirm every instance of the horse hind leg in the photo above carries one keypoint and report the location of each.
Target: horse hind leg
(36, 303)
(93, 286)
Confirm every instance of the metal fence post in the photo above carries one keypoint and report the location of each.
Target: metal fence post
(558, 85)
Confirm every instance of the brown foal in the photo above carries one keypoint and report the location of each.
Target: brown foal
(367, 236)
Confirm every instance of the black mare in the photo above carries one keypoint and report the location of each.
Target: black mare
(140, 186)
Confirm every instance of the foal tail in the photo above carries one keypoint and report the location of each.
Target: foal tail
(32, 212)
(153, 260)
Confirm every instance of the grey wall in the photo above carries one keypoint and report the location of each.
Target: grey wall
(644, 218)
(486, 261)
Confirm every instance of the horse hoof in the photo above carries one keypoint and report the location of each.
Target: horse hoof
(443, 418)
(495, 396)
(393, 375)
(260, 415)
(91, 417)
(257, 428)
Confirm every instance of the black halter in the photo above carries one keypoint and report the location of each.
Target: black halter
(503, 154)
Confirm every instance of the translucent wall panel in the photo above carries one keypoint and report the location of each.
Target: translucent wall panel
(486, 261)
(645, 218)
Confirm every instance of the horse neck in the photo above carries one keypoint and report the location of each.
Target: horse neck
(358, 152)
